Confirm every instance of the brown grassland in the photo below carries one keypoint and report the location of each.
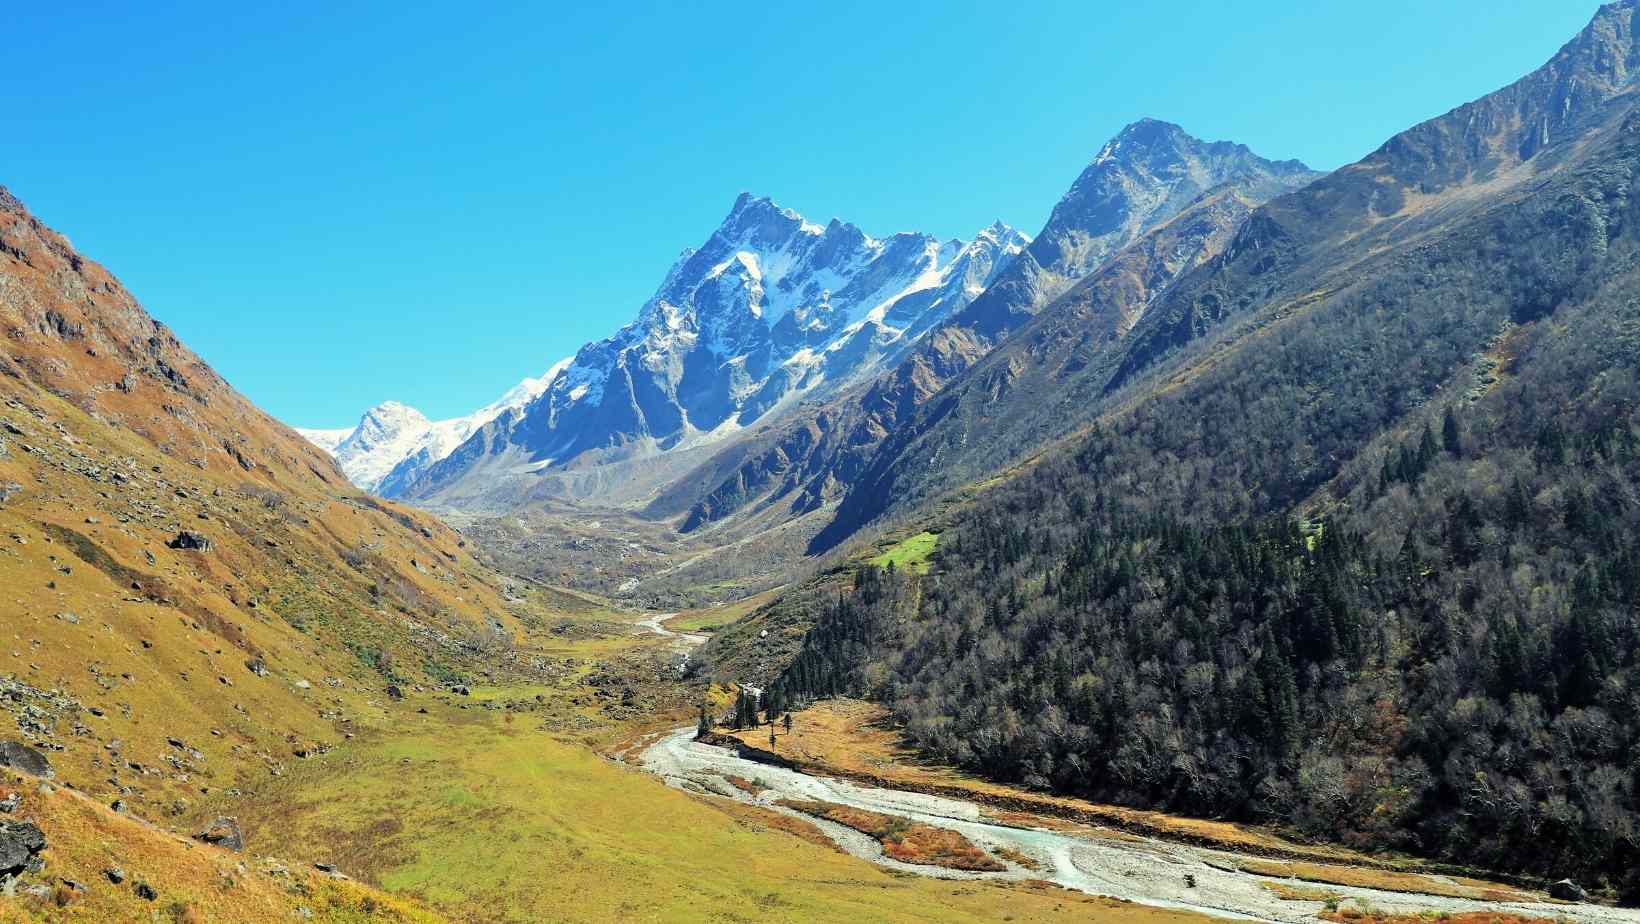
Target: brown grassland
(902, 839)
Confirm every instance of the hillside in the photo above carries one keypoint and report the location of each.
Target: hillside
(196, 597)
(1346, 545)
(108, 866)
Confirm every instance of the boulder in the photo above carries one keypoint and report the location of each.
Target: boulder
(20, 846)
(393, 691)
(145, 892)
(19, 756)
(1568, 891)
(188, 539)
(224, 833)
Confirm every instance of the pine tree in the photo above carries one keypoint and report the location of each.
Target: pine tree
(1426, 449)
(1517, 506)
(1451, 441)
(745, 710)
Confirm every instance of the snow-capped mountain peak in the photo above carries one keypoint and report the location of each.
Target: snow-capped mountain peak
(770, 308)
(393, 441)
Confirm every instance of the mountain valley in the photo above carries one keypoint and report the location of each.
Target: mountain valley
(1251, 542)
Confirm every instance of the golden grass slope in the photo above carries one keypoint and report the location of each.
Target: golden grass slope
(163, 676)
(192, 881)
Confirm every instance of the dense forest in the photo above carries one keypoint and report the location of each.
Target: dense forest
(1374, 576)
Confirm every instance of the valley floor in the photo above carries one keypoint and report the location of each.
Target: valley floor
(579, 798)
(506, 806)
(1205, 867)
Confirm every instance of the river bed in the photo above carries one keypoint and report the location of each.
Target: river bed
(1144, 870)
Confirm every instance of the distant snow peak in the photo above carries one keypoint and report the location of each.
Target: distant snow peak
(327, 440)
(391, 433)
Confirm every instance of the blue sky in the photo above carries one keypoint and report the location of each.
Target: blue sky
(358, 202)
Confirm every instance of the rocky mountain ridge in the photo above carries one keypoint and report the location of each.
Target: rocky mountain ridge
(1096, 341)
(1153, 203)
(771, 310)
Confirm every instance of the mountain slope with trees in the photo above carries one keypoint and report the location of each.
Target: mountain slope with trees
(1350, 545)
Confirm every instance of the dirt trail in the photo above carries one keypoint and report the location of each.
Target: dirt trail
(1145, 870)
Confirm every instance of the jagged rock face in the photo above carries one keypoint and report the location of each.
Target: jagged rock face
(1480, 140)
(1127, 207)
(1417, 182)
(772, 309)
(1135, 305)
(769, 309)
(1146, 174)
(386, 425)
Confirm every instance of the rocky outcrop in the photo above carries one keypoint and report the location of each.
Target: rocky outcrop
(21, 843)
(1149, 172)
(188, 539)
(21, 757)
(224, 833)
(1568, 891)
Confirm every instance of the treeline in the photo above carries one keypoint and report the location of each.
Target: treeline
(1377, 578)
